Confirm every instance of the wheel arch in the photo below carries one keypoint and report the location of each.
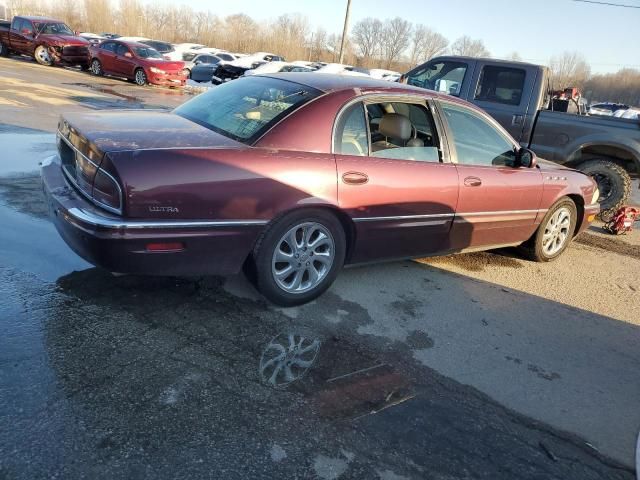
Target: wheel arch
(621, 154)
(578, 201)
(347, 223)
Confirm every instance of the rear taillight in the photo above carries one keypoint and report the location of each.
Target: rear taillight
(106, 191)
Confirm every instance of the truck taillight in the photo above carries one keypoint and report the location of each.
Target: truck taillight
(107, 192)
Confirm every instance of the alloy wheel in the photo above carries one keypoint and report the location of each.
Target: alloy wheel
(556, 232)
(96, 68)
(141, 77)
(303, 257)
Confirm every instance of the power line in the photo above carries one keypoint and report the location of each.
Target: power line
(608, 4)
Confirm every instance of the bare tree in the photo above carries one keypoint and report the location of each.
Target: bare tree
(622, 86)
(569, 69)
(426, 44)
(367, 34)
(395, 39)
(515, 56)
(469, 47)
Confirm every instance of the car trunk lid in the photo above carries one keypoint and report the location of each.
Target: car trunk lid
(139, 130)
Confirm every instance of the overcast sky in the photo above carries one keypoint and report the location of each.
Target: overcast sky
(537, 29)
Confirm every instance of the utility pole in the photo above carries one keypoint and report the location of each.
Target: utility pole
(344, 31)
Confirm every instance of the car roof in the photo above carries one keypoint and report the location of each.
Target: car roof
(327, 82)
(482, 59)
(129, 43)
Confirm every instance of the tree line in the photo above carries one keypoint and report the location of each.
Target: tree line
(395, 43)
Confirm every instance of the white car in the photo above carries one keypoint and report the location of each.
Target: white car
(340, 69)
(631, 113)
(277, 66)
(93, 38)
(383, 74)
(190, 54)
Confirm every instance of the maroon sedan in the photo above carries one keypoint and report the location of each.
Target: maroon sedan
(291, 176)
(137, 62)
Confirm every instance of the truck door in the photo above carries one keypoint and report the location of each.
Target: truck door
(505, 92)
(21, 36)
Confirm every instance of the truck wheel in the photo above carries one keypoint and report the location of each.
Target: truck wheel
(613, 182)
(4, 51)
(299, 256)
(42, 56)
(554, 233)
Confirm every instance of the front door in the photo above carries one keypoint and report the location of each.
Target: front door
(498, 201)
(123, 65)
(392, 180)
(21, 36)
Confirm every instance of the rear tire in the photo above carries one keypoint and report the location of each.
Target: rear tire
(613, 182)
(140, 77)
(554, 233)
(96, 67)
(42, 56)
(4, 51)
(299, 256)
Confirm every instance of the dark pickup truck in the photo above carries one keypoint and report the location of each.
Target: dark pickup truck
(518, 96)
(47, 40)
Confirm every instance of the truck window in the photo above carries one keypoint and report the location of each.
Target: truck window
(443, 76)
(500, 85)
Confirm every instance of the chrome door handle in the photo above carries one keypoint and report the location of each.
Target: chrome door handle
(472, 182)
(355, 178)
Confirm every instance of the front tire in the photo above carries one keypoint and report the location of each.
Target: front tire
(613, 182)
(96, 67)
(4, 51)
(554, 233)
(299, 256)
(42, 56)
(140, 77)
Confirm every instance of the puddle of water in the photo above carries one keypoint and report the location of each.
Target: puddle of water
(33, 246)
(21, 152)
(105, 89)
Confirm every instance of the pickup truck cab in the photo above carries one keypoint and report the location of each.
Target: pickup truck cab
(47, 40)
(518, 96)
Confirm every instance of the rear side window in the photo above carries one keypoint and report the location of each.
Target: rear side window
(246, 108)
(351, 132)
(500, 85)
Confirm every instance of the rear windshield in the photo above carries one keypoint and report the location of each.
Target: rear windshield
(246, 108)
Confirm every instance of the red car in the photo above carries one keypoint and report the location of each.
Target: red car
(291, 176)
(137, 62)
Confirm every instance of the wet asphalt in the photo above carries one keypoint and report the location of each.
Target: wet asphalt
(138, 377)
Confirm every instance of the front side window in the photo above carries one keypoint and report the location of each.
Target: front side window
(246, 108)
(476, 140)
(351, 132)
(442, 76)
(501, 85)
(121, 49)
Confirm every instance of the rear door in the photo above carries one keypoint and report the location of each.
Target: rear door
(498, 201)
(504, 91)
(402, 198)
(107, 56)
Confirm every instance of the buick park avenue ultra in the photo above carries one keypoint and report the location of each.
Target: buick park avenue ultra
(291, 176)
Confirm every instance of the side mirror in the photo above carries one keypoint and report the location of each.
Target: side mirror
(128, 55)
(27, 32)
(525, 158)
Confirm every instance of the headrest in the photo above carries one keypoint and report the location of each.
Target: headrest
(394, 125)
